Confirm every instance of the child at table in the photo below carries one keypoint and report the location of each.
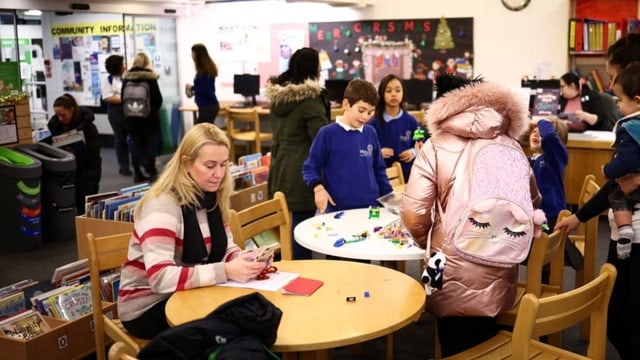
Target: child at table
(625, 159)
(394, 125)
(345, 168)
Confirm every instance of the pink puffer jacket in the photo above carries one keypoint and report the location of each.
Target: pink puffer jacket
(483, 110)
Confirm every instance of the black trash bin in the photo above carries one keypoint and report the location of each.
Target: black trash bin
(20, 213)
(58, 190)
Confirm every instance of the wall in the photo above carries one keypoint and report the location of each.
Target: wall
(507, 44)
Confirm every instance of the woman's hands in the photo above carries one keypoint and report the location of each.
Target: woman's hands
(568, 224)
(244, 267)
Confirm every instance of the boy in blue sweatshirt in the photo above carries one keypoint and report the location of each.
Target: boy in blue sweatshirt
(345, 167)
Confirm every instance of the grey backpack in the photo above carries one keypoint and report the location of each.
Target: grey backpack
(136, 99)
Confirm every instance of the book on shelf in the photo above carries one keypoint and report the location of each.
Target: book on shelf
(25, 325)
(17, 286)
(260, 175)
(71, 268)
(12, 304)
(595, 74)
(302, 286)
(73, 303)
(250, 161)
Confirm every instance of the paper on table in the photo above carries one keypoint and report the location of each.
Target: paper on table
(275, 282)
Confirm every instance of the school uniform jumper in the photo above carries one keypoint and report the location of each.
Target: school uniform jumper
(397, 134)
(349, 164)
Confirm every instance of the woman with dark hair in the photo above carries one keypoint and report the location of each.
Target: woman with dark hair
(623, 317)
(394, 125)
(299, 108)
(111, 88)
(204, 84)
(596, 110)
(71, 117)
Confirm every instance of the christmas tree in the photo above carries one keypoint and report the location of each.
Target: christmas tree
(444, 40)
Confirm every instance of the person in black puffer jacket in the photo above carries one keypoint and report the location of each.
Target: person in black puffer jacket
(243, 328)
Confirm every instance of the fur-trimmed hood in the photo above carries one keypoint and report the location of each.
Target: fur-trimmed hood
(285, 98)
(138, 73)
(481, 110)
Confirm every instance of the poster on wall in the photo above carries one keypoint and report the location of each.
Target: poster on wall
(249, 42)
(8, 125)
(9, 78)
(409, 48)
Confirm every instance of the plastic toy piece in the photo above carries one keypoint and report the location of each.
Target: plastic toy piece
(366, 294)
(339, 215)
(418, 135)
(351, 298)
(374, 212)
(356, 238)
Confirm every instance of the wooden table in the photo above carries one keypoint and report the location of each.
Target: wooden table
(319, 234)
(313, 325)
(588, 151)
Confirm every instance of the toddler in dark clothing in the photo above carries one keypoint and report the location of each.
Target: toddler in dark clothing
(625, 160)
(345, 167)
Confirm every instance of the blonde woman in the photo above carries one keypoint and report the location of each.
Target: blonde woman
(143, 130)
(181, 238)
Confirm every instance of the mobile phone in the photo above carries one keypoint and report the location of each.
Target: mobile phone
(265, 253)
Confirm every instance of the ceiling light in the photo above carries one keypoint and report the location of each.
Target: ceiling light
(33, 12)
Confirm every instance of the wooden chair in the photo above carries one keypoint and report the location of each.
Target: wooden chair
(269, 215)
(543, 316)
(120, 351)
(546, 249)
(107, 253)
(244, 125)
(335, 112)
(586, 240)
(396, 178)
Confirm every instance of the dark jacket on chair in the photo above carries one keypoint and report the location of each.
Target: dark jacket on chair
(240, 327)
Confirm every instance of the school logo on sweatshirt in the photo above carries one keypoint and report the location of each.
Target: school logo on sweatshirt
(407, 136)
(367, 152)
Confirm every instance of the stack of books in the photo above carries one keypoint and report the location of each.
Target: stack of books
(115, 205)
(252, 169)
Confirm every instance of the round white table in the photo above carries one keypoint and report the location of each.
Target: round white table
(320, 233)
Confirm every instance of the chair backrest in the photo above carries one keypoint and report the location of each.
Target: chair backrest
(105, 253)
(243, 116)
(269, 215)
(544, 250)
(543, 316)
(396, 178)
(589, 188)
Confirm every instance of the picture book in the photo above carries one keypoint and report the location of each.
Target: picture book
(68, 138)
(267, 238)
(74, 267)
(45, 295)
(25, 325)
(17, 286)
(12, 304)
(250, 161)
(302, 286)
(260, 175)
(73, 303)
(546, 102)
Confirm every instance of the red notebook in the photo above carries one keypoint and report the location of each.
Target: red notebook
(302, 286)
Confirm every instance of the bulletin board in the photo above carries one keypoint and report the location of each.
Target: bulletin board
(409, 48)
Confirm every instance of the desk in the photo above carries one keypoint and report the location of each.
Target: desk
(313, 325)
(312, 235)
(588, 151)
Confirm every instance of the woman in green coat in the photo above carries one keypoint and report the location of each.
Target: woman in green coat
(299, 108)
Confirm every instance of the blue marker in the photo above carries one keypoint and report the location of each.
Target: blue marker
(342, 241)
(339, 215)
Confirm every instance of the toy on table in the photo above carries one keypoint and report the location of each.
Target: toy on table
(354, 238)
(374, 212)
(396, 233)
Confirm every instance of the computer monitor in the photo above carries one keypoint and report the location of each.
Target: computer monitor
(247, 85)
(538, 84)
(336, 88)
(417, 92)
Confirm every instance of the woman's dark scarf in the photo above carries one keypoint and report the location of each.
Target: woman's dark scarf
(195, 251)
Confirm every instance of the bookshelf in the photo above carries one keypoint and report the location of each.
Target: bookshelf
(593, 26)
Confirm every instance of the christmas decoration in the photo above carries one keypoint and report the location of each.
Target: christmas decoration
(444, 40)
(12, 99)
